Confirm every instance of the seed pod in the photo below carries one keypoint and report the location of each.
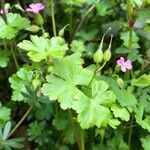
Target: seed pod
(98, 55)
(61, 32)
(17, 6)
(107, 53)
(120, 82)
(39, 19)
(7, 6)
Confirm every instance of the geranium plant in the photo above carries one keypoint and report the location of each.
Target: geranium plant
(74, 75)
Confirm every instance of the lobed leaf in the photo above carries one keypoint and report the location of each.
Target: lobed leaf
(14, 24)
(40, 48)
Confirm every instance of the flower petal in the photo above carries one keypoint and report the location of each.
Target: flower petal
(35, 8)
(121, 61)
(123, 68)
(128, 64)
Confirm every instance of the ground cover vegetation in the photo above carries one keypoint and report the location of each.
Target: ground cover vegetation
(74, 74)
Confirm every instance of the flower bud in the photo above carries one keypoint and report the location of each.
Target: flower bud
(107, 53)
(39, 19)
(36, 82)
(17, 6)
(7, 6)
(46, 35)
(120, 82)
(61, 32)
(98, 56)
(33, 28)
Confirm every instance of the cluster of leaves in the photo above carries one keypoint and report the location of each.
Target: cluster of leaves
(66, 90)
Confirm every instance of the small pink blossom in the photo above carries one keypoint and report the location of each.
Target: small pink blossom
(35, 8)
(125, 65)
(4, 11)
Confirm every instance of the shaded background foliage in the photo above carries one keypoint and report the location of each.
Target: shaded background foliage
(48, 126)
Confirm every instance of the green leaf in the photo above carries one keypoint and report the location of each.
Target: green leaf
(103, 7)
(144, 98)
(77, 46)
(62, 84)
(45, 112)
(142, 119)
(125, 37)
(4, 58)
(146, 142)
(120, 112)
(124, 97)
(90, 109)
(142, 81)
(4, 115)
(19, 81)
(63, 124)
(117, 142)
(6, 130)
(138, 2)
(62, 121)
(114, 123)
(38, 132)
(40, 48)
(14, 23)
(15, 143)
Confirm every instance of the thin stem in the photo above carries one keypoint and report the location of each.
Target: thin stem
(70, 22)
(129, 17)
(130, 126)
(130, 39)
(130, 132)
(129, 9)
(14, 57)
(101, 141)
(53, 18)
(82, 144)
(20, 122)
(83, 19)
(74, 129)
(42, 28)
(101, 66)
(94, 74)
(5, 44)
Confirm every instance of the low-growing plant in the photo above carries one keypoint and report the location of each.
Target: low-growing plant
(70, 83)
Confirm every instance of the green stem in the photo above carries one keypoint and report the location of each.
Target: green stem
(96, 71)
(70, 22)
(82, 21)
(130, 18)
(94, 74)
(102, 140)
(20, 122)
(82, 144)
(78, 133)
(130, 133)
(5, 44)
(129, 9)
(53, 18)
(130, 39)
(101, 67)
(42, 28)
(14, 57)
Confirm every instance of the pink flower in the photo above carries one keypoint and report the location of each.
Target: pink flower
(4, 11)
(125, 65)
(35, 8)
